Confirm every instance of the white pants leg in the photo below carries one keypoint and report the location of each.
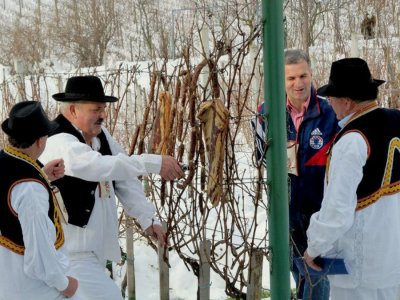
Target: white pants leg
(93, 281)
(389, 293)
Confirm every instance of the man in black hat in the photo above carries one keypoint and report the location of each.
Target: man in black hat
(359, 217)
(32, 257)
(98, 170)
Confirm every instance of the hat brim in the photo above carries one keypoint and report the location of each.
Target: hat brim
(63, 97)
(331, 90)
(50, 127)
(5, 127)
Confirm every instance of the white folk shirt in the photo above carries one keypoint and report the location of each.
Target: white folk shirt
(369, 239)
(41, 272)
(82, 161)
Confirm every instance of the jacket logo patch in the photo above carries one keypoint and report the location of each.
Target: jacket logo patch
(316, 140)
(316, 131)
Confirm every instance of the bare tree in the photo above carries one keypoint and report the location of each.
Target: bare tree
(86, 29)
(23, 39)
(307, 19)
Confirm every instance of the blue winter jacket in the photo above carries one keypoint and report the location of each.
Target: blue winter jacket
(315, 135)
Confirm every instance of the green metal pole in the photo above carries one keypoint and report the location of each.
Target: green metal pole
(278, 219)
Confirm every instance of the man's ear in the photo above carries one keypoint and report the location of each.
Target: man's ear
(72, 110)
(349, 104)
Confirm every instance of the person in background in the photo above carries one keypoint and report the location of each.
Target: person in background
(96, 172)
(359, 216)
(311, 126)
(33, 257)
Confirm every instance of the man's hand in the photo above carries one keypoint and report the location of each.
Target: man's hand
(170, 168)
(71, 288)
(157, 232)
(54, 169)
(310, 262)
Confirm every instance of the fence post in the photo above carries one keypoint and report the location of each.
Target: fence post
(164, 269)
(204, 274)
(205, 73)
(19, 66)
(130, 264)
(60, 84)
(256, 80)
(354, 52)
(255, 275)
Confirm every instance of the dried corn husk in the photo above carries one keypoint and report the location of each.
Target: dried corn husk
(214, 121)
(162, 126)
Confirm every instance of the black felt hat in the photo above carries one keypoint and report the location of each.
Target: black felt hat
(81, 88)
(351, 77)
(27, 122)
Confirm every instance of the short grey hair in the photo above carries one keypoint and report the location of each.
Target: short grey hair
(295, 56)
(64, 106)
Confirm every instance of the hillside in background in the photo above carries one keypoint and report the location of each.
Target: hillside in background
(64, 36)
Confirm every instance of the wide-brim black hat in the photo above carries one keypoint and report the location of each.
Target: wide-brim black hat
(351, 77)
(84, 88)
(27, 122)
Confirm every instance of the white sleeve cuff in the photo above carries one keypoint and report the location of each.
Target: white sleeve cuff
(146, 223)
(152, 162)
(311, 252)
(62, 283)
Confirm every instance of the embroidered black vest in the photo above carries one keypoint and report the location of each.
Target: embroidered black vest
(78, 194)
(381, 173)
(18, 167)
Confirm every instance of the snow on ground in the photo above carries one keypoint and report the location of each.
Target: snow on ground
(183, 283)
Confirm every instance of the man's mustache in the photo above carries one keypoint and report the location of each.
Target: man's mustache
(99, 121)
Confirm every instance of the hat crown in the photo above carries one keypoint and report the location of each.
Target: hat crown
(353, 70)
(87, 86)
(80, 88)
(351, 77)
(27, 121)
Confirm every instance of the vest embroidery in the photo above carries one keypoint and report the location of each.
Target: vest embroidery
(385, 178)
(8, 243)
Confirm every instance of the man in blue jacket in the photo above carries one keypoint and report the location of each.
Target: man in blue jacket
(311, 126)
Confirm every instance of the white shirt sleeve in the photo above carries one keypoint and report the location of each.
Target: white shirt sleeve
(134, 201)
(83, 162)
(131, 193)
(336, 215)
(41, 260)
